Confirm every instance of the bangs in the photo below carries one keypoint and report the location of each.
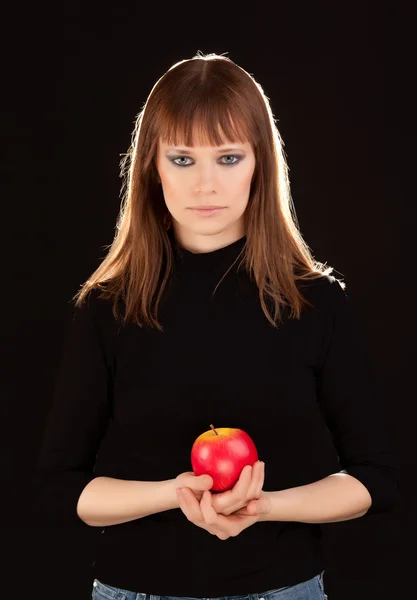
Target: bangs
(203, 124)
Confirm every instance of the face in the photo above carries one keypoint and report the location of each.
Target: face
(202, 176)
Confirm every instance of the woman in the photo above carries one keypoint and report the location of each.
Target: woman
(210, 309)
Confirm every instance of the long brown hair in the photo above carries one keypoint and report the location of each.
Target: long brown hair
(207, 95)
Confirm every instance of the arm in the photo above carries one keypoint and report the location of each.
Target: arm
(108, 501)
(67, 492)
(338, 497)
(351, 402)
(77, 420)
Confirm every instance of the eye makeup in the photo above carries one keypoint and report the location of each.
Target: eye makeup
(238, 158)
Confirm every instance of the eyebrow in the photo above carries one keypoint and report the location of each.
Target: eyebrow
(185, 151)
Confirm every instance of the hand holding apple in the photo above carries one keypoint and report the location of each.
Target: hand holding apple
(197, 484)
(248, 488)
(205, 516)
(223, 453)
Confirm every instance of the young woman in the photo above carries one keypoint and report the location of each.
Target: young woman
(209, 309)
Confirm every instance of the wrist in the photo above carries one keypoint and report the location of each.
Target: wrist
(265, 506)
(169, 488)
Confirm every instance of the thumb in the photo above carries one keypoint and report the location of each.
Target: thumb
(253, 507)
(203, 482)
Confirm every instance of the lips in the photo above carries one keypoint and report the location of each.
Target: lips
(209, 207)
(207, 212)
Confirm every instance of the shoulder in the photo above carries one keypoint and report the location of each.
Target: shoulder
(328, 297)
(325, 289)
(97, 307)
(92, 302)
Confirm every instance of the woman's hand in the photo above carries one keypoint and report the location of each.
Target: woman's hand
(246, 501)
(248, 487)
(204, 515)
(198, 484)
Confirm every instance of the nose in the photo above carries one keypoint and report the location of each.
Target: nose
(205, 179)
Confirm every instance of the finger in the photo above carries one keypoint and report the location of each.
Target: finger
(261, 482)
(254, 480)
(241, 488)
(227, 502)
(239, 494)
(217, 523)
(203, 514)
(210, 516)
(190, 505)
(245, 511)
(257, 480)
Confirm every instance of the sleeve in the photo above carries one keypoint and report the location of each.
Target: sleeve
(352, 405)
(77, 421)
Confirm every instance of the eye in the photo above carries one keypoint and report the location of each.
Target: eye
(227, 164)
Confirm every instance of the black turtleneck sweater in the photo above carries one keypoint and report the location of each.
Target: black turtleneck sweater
(129, 403)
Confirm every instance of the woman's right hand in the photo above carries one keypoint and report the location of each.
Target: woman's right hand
(198, 484)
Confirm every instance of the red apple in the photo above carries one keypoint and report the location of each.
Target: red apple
(222, 453)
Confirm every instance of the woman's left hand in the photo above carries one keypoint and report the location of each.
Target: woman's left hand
(248, 487)
(205, 516)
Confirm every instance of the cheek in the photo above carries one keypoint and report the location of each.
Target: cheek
(172, 187)
(247, 181)
(244, 183)
(245, 178)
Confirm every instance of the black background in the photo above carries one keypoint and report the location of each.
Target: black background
(75, 75)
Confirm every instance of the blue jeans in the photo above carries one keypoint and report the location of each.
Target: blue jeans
(312, 589)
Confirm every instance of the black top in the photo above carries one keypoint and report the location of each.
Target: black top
(129, 403)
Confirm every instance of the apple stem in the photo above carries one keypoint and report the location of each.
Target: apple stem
(214, 429)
